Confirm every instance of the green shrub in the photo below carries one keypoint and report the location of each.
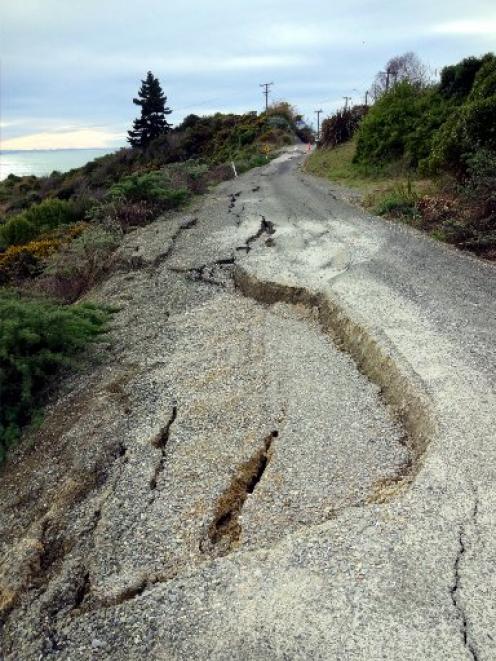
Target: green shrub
(400, 203)
(401, 126)
(457, 80)
(153, 187)
(16, 231)
(471, 128)
(485, 80)
(38, 219)
(481, 173)
(50, 214)
(243, 165)
(36, 339)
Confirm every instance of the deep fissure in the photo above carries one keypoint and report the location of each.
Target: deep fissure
(400, 390)
(266, 227)
(160, 441)
(225, 530)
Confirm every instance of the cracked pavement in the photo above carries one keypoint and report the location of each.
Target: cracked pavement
(286, 451)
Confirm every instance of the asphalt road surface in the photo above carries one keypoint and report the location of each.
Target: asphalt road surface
(286, 451)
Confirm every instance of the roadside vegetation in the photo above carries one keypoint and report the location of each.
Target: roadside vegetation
(37, 337)
(424, 152)
(58, 233)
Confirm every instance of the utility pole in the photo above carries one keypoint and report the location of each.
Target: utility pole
(317, 112)
(366, 98)
(346, 99)
(386, 73)
(266, 93)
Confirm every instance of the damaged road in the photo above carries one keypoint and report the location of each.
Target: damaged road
(287, 450)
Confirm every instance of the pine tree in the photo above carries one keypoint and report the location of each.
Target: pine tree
(152, 122)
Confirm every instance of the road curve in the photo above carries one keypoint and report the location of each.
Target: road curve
(287, 452)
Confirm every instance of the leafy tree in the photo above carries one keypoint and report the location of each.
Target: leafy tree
(407, 67)
(152, 121)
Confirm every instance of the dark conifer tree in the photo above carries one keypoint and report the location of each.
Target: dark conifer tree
(152, 122)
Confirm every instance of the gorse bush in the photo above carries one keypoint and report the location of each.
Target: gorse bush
(153, 187)
(79, 265)
(37, 220)
(27, 260)
(36, 339)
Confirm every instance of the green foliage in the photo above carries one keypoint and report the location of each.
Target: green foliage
(149, 187)
(457, 80)
(400, 202)
(434, 128)
(36, 339)
(16, 231)
(222, 138)
(255, 161)
(38, 219)
(471, 127)
(485, 80)
(481, 173)
(401, 125)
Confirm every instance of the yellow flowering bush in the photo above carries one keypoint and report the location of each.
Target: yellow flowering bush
(27, 260)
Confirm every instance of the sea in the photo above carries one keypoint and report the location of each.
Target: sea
(41, 162)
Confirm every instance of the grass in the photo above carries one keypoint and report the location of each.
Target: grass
(378, 188)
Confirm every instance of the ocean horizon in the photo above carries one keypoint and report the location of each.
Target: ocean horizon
(42, 162)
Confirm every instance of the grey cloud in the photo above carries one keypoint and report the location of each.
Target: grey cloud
(79, 62)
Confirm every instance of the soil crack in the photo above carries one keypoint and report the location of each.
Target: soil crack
(225, 530)
(160, 441)
(455, 589)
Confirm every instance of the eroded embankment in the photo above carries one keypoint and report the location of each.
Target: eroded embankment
(400, 388)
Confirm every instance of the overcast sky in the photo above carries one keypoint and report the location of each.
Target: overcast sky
(69, 68)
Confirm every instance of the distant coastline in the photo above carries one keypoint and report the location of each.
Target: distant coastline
(42, 162)
(29, 151)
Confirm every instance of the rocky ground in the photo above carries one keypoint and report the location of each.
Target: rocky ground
(285, 450)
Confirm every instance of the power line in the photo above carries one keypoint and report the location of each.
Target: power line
(266, 92)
